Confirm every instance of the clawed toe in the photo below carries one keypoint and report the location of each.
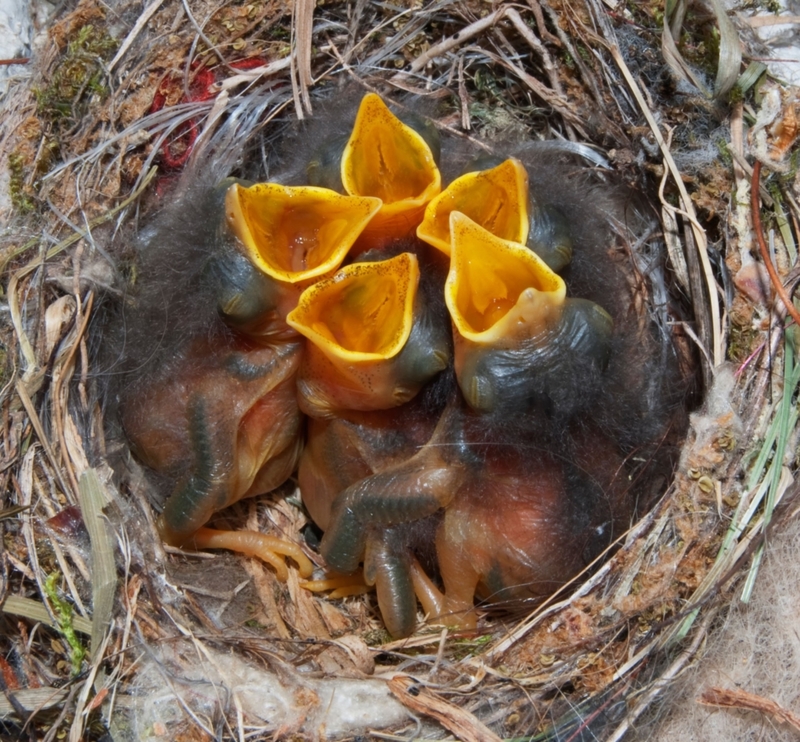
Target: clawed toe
(269, 549)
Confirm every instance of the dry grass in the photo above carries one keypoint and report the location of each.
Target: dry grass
(96, 613)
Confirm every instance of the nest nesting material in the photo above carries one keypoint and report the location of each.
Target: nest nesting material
(106, 632)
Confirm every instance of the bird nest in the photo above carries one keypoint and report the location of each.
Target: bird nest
(105, 630)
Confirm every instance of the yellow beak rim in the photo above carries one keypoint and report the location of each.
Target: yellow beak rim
(496, 199)
(298, 233)
(361, 314)
(497, 290)
(387, 159)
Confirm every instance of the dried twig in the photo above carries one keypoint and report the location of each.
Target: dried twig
(667, 677)
(141, 22)
(762, 246)
(457, 39)
(460, 722)
(739, 699)
(302, 25)
(759, 21)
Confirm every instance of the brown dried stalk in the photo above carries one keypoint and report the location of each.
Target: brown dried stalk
(458, 721)
(740, 699)
(762, 246)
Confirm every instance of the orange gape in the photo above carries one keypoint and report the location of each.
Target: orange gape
(367, 348)
(389, 160)
(496, 199)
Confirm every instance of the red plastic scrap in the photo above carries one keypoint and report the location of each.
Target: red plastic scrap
(175, 150)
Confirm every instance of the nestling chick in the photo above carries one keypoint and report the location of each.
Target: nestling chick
(501, 433)
(376, 337)
(217, 412)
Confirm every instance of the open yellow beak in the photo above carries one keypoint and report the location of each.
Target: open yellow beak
(295, 234)
(358, 323)
(388, 160)
(519, 343)
(496, 199)
(362, 313)
(498, 291)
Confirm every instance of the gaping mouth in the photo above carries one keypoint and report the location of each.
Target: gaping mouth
(388, 160)
(496, 288)
(294, 234)
(362, 313)
(496, 199)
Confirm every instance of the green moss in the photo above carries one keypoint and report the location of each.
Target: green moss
(741, 342)
(279, 33)
(377, 637)
(470, 647)
(699, 44)
(20, 200)
(77, 80)
(584, 54)
(64, 612)
(23, 170)
(736, 95)
(724, 152)
(788, 178)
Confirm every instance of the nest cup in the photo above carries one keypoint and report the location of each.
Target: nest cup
(594, 658)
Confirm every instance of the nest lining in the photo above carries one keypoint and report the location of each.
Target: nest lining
(605, 646)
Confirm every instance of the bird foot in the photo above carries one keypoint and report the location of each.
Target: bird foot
(439, 609)
(269, 549)
(341, 586)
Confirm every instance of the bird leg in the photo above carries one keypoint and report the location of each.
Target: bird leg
(404, 493)
(387, 565)
(455, 608)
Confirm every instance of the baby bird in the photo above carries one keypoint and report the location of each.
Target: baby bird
(522, 353)
(375, 339)
(217, 414)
